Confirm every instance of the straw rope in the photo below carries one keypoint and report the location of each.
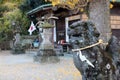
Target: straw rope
(99, 42)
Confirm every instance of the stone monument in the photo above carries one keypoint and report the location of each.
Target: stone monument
(17, 46)
(93, 62)
(46, 51)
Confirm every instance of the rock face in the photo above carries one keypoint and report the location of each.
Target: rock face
(82, 34)
(114, 50)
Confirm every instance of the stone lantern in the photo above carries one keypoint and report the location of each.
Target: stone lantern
(46, 51)
(17, 47)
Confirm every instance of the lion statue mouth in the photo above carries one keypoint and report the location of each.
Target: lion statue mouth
(104, 63)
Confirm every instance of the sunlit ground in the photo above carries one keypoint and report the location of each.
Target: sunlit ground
(22, 67)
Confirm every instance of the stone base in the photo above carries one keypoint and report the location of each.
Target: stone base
(18, 50)
(46, 56)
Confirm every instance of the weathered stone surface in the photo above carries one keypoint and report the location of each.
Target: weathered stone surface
(114, 51)
(82, 34)
(18, 49)
(46, 56)
(46, 51)
(17, 45)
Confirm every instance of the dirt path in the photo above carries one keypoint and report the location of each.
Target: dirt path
(22, 67)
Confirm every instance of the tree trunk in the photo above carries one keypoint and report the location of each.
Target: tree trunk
(99, 13)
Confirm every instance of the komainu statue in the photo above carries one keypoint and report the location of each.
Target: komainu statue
(92, 61)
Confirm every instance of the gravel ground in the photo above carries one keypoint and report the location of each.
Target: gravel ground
(22, 67)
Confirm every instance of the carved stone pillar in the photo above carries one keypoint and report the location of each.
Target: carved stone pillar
(46, 36)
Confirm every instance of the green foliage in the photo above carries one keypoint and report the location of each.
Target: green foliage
(9, 13)
(12, 1)
(21, 21)
(14, 11)
(2, 10)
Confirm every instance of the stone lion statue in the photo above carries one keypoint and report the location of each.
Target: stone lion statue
(94, 63)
